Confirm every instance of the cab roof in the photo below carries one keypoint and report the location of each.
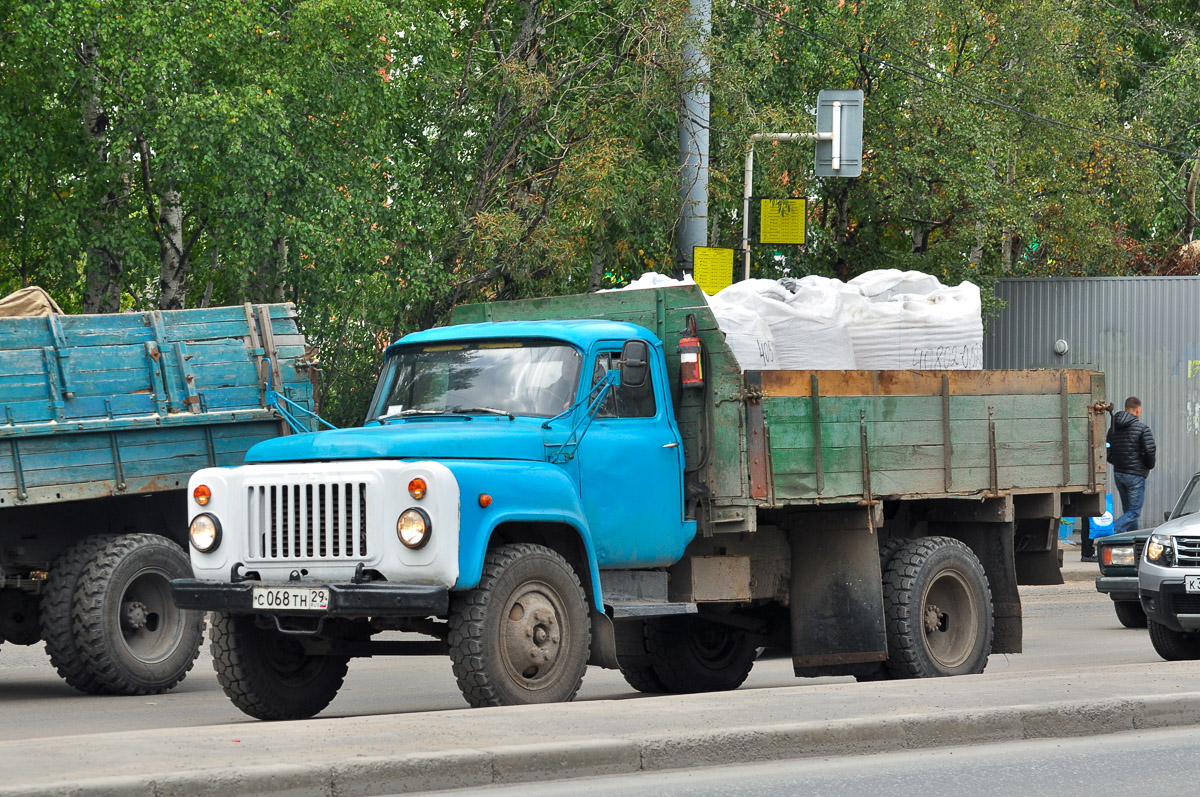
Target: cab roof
(581, 333)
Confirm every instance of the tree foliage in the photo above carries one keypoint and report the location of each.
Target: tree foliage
(377, 162)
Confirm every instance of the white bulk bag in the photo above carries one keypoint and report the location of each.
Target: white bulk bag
(747, 334)
(807, 327)
(938, 329)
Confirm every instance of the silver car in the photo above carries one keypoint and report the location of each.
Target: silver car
(1169, 580)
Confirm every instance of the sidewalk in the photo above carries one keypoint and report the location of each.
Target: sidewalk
(403, 753)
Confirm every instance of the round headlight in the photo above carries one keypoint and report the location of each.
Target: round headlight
(413, 528)
(205, 532)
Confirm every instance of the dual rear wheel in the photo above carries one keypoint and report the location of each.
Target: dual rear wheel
(108, 620)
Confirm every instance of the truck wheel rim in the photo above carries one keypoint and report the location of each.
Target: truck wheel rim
(148, 619)
(532, 635)
(949, 619)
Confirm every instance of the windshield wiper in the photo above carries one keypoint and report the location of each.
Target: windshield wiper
(408, 412)
(488, 410)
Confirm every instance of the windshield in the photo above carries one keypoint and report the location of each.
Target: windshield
(533, 378)
(1189, 502)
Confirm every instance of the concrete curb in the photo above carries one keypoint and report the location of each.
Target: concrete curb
(465, 768)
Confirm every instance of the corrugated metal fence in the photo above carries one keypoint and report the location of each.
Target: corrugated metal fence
(1143, 332)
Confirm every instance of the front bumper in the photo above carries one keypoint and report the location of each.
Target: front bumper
(374, 599)
(1171, 606)
(1119, 588)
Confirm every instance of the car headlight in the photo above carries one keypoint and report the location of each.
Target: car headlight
(1160, 550)
(413, 528)
(1117, 555)
(205, 532)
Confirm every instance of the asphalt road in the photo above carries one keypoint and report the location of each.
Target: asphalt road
(1162, 762)
(1066, 627)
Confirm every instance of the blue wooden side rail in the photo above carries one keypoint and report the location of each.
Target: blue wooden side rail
(96, 405)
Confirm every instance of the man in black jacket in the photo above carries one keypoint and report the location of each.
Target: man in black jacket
(1131, 452)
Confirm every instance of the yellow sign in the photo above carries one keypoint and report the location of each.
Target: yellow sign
(781, 221)
(1193, 369)
(712, 268)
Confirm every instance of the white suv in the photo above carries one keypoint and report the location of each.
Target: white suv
(1169, 580)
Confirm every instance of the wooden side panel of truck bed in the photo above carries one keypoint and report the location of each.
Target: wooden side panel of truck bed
(854, 435)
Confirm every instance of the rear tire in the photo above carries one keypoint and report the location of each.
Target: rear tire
(1174, 645)
(131, 636)
(56, 610)
(638, 671)
(1130, 614)
(268, 675)
(691, 654)
(938, 610)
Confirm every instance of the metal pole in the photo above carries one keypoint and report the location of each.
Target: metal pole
(693, 140)
(748, 181)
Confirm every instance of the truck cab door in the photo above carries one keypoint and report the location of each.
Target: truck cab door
(631, 469)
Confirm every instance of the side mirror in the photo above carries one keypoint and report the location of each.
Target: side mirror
(635, 363)
(1167, 515)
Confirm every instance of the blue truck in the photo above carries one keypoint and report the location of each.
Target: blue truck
(549, 483)
(102, 420)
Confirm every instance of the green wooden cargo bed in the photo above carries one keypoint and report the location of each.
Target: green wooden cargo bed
(771, 439)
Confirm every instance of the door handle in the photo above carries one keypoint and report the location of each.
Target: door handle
(671, 445)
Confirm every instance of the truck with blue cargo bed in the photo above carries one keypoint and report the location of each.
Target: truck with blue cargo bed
(102, 420)
(549, 483)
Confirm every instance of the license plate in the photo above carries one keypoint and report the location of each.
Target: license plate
(290, 599)
(1191, 583)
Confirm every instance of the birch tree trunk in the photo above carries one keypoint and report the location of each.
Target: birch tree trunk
(104, 267)
(172, 278)
(1189, 199)
(975, 256)
(270, 280)
(1006, 243)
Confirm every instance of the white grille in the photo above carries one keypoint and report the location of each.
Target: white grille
(318, 520)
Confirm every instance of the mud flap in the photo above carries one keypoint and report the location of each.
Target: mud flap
(1040, 567)
(836, 593)
(993, 544)
(604, 641)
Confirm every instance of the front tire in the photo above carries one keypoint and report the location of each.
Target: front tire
(1174, 645)
(938, 610)
(691, 654)
(1130, 613)
(524, 634)
(130, 634)
(268, 674)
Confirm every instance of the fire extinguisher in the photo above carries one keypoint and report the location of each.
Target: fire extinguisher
(691, 361)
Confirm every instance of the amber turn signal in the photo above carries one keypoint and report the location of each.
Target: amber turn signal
(485, 500)
(417, 488)
(202, 495)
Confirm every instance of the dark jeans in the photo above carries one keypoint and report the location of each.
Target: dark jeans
(1132, 490)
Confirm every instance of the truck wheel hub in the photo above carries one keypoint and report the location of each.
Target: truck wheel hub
(533, 635)
(134, 615)
(935, 620)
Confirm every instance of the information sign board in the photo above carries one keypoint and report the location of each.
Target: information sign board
(781, 221)
(713, 268)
